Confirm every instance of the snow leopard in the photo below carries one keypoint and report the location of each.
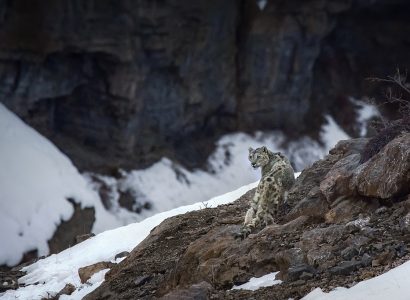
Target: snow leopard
(277, 178)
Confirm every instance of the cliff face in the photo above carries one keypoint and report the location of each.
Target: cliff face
(136, 80)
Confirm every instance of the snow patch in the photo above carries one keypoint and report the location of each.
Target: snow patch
(257, 282)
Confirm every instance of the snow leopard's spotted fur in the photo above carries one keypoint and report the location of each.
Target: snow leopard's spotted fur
(277, 178)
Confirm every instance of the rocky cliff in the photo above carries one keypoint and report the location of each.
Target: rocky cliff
(136, 80)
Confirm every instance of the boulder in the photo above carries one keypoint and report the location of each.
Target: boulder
(313, 205)
(386, 174)
(336, 181)
(341, 159)
(87, 272)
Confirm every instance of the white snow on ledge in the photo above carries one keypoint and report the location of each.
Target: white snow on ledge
(257, 282)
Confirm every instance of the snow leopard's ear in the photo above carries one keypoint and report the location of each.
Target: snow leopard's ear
(250, 149)
(264, 149)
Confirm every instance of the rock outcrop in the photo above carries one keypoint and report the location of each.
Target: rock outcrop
(355, 234)
(137, 80)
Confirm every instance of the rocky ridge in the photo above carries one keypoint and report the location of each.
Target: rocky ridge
(344, 222)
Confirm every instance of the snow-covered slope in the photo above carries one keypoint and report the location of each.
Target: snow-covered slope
(36, 180)
(48, 276)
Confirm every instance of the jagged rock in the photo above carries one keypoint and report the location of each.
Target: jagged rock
(291, 263)
(85, 273)
(345, 148)
(310, 179)
(387, 174)
(306, 185)
(366, 260)
(68, 289)
(347, 210)
(349, 253)
(313, 205)
(300, 272)
(336, 181)
(345, 267)
(317, 236)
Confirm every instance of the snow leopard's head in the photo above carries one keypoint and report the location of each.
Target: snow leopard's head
(259, 157)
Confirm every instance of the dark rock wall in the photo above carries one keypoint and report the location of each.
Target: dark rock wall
(122, 83)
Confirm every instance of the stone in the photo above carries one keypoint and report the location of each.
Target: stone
(349, 209)
(300, 272)
(68, 289)
(386, 174)
(319, 256)
(336, 181)
(314, 237)
(349, 252)
(83, 237)
(313, 205)
(291, 260)
(310, 179)
(345, 267)
(121, 255)
(366, 260)
(405, 222)
(85, 273)
(200, 291)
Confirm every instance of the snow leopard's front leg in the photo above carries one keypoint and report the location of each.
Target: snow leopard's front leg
(250, 216)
